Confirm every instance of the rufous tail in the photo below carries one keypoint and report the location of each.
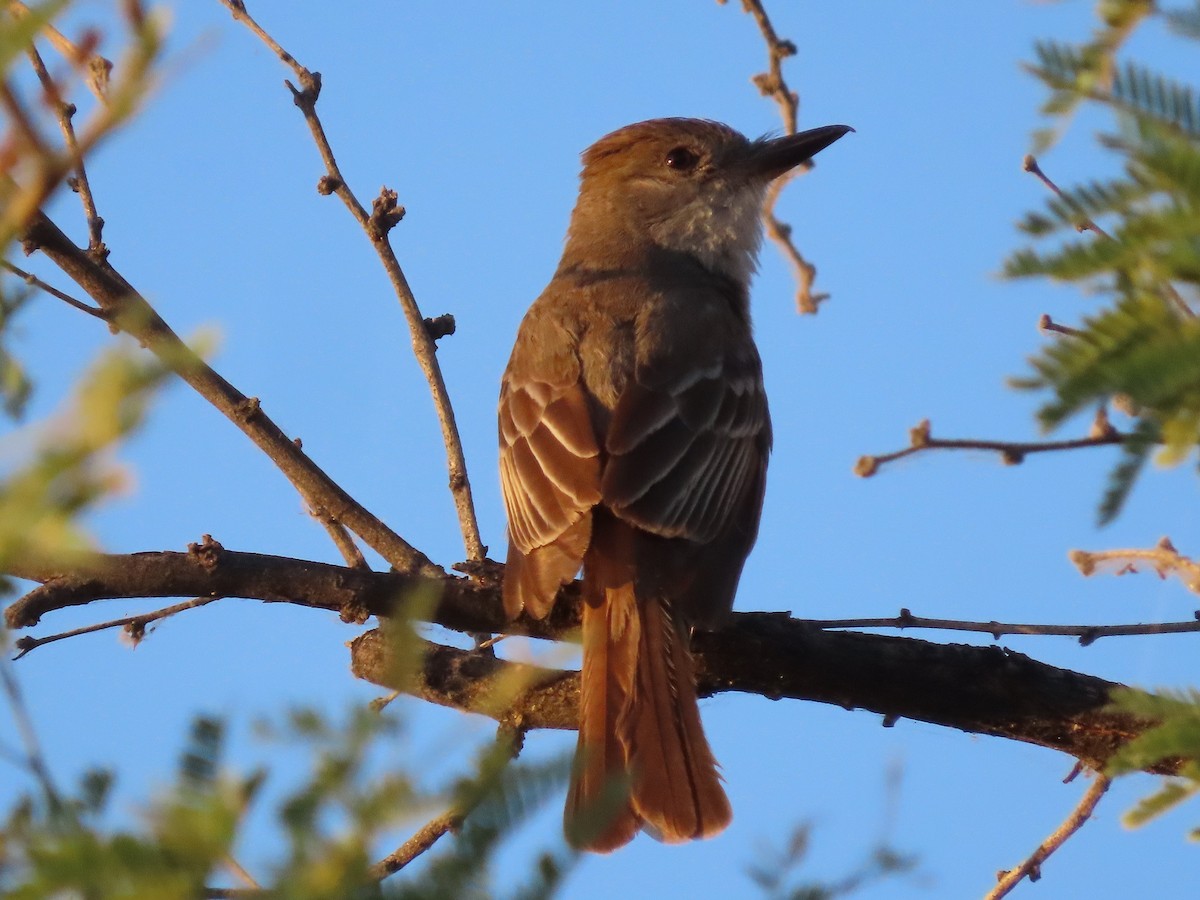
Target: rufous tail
(642, 757)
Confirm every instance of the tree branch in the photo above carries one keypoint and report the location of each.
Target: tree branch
(982, 690)
(1087, 223)
(33, 281)
(1032, 867)
(126, 309)
(771, 84)
(1011, 452)
(1087, 634)
(384, 215)
(65, 113)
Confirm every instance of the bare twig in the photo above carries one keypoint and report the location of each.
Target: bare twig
(33, 281)
(135, 626)
(240, 872)
(771, 84)
(509, 738)
(1087, 634)
(83, 56)
(1048, 326)
(1084, 222)
(49, 168)
(385, 213)
(1032, 867)
(65, 113)
(428, 835)
(1163, 558)
(1011, 452)
(342, 539)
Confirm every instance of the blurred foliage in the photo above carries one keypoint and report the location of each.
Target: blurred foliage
(15, 385)
(1143, 344)
(1175, 738)
(70, 467)
(57, 847)
(773, 873)
(61, 845)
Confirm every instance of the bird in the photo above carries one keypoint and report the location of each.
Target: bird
(634, 436)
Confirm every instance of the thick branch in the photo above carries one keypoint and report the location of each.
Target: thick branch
(983, 690)
(980, 690)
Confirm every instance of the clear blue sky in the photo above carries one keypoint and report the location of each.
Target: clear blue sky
(475, 113)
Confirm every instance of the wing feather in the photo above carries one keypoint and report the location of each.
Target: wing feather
(685, 453)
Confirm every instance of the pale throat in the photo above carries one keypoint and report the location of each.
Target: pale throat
(721, 229)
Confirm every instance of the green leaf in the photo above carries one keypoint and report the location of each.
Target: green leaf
(1134, 453)
(1167, 797)
(1142, 92)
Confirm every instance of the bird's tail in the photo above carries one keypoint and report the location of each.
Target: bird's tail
(676, 785)
(642, 757)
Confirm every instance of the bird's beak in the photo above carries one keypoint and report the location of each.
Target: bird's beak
(771, 158)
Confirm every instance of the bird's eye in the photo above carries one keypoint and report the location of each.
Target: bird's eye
(681, 159)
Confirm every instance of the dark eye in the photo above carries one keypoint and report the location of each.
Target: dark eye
(681, 159)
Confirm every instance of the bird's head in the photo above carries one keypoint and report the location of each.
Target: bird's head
(687, 185)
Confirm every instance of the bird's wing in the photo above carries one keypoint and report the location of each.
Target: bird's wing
(549, 466)
(550, 477)
(687, 445)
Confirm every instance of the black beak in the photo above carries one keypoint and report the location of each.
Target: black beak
(771, 158)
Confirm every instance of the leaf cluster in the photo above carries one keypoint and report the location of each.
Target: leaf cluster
(1175, 737)
(55, 847)
(1139, 247)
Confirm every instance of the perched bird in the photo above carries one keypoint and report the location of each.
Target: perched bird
(633, 442)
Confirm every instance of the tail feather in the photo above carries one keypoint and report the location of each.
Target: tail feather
(676, 784)
(598, 814)
(642, 758)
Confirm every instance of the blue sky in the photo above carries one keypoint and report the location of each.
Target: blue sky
(475, 113)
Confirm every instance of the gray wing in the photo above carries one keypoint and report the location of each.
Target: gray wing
(687, 448)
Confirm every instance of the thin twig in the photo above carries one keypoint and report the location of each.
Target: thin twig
(1163, 558)
(428, 835)
(1012, 452)
(342, 539)
(1048, 326)
(1084, 222)
(1087, 223)
(511, 738)
(51, 168)
(240, 871)
(385, 213)
(83, 56)
(772, 84)
(33, 281)
(1087, 634)
(134, 625)
(65, 113)
(1032, 867)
